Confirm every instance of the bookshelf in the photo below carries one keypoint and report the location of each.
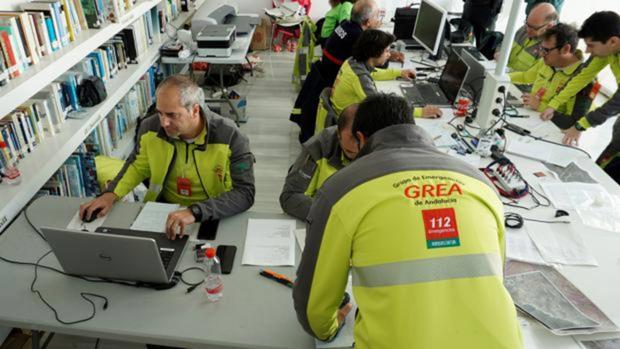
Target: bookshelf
(19, 90)
(39, 165)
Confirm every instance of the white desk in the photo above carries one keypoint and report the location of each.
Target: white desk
(601, 284)
(254, 313)
(240, 48)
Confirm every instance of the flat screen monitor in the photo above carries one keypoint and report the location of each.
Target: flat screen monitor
(429, 26)
(453, 76)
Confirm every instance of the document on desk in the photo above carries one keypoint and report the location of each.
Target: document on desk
(300, 236)
(520, 247)
(270, 242)
(569, 196)
(559, 244)
(536, 295)
(153, 217)
(345, 338)
(531, 149)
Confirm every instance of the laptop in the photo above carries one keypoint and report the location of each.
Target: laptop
(442, 93)
(118, 254)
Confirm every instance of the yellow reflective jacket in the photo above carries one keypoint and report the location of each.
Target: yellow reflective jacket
(552, 81)
(224, 165)
(524, 51)
(422, 234)
(321, 156)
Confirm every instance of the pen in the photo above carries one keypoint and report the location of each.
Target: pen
(276, 277)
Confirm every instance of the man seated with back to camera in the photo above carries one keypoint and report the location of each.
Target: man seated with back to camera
(321, 156)
(190, 155)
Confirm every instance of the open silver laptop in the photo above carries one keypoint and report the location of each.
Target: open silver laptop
(119, 254)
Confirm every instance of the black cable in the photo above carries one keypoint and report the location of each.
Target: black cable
(514, 220)
(32, 225)
(192, 285)
(560, 144)
(82, 294)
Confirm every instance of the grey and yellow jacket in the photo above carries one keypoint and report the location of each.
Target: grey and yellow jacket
(224, 165)
(422, 234)
(524, 51)
(321, 156)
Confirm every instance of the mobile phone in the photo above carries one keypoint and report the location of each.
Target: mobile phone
(226, 255)
(208, 230)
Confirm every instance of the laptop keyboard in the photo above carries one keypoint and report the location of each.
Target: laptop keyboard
(429, 94)
(413, 95)
(166, 256)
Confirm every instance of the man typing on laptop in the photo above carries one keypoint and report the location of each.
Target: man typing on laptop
(190, 156)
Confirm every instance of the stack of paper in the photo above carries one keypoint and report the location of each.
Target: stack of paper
(270, 242)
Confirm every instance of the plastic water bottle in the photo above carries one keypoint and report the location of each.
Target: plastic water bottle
(214, 285)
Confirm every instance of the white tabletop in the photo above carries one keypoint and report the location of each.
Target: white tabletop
(240, 48)
(601, 284)
(254, 313)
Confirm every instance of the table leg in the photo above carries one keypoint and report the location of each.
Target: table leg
(37, 336)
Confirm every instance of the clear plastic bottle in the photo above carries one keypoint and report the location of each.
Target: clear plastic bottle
(214, 285)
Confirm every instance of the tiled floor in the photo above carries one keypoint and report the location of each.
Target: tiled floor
(273, 139)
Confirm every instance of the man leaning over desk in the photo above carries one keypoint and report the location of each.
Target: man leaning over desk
(190, 155)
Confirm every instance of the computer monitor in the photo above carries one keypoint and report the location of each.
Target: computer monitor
(429, 27)
(475, 77)
(453, 76)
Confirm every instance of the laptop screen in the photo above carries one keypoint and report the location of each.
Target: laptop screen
(453, 76)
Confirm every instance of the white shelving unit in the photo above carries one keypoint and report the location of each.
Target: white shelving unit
(19, 90)
(46, 158)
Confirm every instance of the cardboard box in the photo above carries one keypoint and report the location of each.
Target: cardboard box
(260, 40)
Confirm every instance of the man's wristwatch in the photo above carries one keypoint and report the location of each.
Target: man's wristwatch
(196, 212)
(579, 127)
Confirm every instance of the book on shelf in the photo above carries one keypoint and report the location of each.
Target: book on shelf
(77, 177)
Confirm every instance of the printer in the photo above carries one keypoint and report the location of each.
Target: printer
(215, 27)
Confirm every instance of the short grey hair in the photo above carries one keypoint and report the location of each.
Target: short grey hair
(362, 11)
(190, 93)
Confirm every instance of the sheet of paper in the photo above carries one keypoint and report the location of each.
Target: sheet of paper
(345, 337)
(559, 243)
(605, 218)
(270, 242)
(153, 217)
(572, 173)
(569, 196)
(532, 149)
(77, 224)
(520, 247)
(300, 236)
(536, 295)
(613, 343)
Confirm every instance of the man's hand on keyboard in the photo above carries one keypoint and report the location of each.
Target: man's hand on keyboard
(407, 74)
(431, 112)
(177, 222)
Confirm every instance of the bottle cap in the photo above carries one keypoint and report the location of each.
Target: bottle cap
(210, 252)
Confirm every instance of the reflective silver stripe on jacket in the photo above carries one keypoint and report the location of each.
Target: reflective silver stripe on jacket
(427, 270)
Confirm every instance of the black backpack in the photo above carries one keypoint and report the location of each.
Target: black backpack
(91, 91)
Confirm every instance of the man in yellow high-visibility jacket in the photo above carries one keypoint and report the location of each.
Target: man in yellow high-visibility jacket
(422, 234)
(601, 32)
(321, 156)
(561, 61)
(524, 51)
(191, 156)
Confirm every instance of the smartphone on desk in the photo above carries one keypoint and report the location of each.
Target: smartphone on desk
(208, 229)
(226, 255)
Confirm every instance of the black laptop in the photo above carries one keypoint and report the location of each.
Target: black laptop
(444, 92)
